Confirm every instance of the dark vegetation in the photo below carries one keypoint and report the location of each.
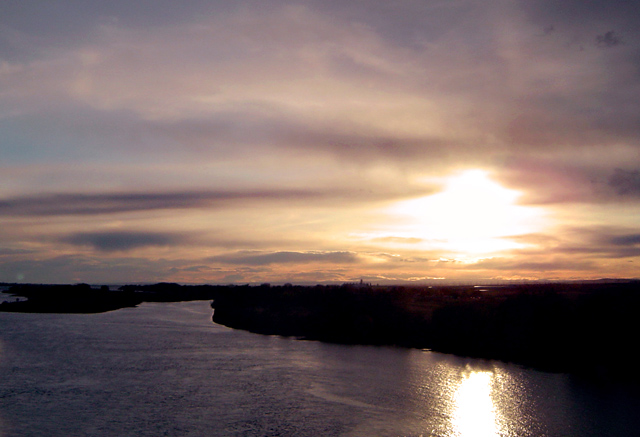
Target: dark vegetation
(82, 298)
(589, 328)
(79, 298)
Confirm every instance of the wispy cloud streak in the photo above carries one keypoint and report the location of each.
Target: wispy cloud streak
(93, 204)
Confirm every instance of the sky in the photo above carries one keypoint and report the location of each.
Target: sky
(319, 141)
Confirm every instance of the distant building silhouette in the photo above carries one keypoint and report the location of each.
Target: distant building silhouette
(360, 284)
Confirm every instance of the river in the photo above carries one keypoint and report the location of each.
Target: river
(164, 369)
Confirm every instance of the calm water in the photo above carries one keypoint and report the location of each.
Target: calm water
(167, 370)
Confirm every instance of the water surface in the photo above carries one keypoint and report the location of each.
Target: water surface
(166, 369)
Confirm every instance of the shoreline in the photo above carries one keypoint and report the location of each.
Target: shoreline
(553, 329)
(550, 327)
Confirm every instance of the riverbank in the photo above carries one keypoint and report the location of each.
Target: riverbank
(585, 328)
(79, 298)
(589, 329)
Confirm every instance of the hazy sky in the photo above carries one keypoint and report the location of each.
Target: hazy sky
(243, 141)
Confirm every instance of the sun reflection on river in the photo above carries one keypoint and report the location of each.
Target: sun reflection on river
(474, 411)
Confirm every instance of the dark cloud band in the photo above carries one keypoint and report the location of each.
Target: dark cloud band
(92, 204)
(119, 241)
(253, 259)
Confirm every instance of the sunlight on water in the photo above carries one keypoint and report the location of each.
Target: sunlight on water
(166, 369)
(475, 413)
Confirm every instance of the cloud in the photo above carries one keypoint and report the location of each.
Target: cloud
(48, 26)
(122, 241)
(398, 240)
(556, 265)
(113, 203)
(5, 251)
(196, 269)
(578, 14)
(90, 269)
(413, 84)
(570, 181)
(626, 240)
(93, 204)
(609, 39)
(625, 182)
(280, 126)
(583, 242)
(259, 259)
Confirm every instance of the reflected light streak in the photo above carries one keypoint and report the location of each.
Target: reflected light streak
(475, 413)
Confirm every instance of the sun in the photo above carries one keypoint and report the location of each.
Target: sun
(471, 215)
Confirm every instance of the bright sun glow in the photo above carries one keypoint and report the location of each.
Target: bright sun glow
(472, 215)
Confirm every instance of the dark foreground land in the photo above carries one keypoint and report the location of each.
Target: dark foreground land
(82, 298)
(79, 298)
(588, 328)
(592, 328)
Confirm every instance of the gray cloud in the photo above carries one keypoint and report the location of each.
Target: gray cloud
(12, 252)
(625, 182)
(80, 268)
(258, 259)
(584, 243)
(92, 204)
(326, 104)
(609, 39)
(122, 241)
(585, 14)
(544, 98)
(113, 203)
(196, 269)
(363, 144)
(252, 127)
(48, 25)
(556, 264)
(626, 240)
(544, 181)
